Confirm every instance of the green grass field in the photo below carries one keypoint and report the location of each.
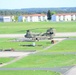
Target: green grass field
(38, 60)
(45, 61)
(64, 46)
(6, 43)
(5, 60)
(20, 27)
(28, 73)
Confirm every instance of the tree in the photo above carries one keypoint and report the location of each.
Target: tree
(53, 12)
(16, 18)
(49, 14)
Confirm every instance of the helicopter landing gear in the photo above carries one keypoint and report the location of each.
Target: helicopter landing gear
(52, 41)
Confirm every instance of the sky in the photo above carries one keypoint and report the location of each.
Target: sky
(18, 4)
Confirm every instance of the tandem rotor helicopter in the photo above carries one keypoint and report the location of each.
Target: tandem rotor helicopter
(49, 34)
(33, 36)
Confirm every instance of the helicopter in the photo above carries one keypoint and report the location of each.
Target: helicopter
(49, 34)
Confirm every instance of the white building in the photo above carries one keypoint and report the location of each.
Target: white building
(64, 17)
(40, 17)
(5, 19)
(35, 17)
(56, 17)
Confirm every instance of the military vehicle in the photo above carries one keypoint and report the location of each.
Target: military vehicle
(49, 34)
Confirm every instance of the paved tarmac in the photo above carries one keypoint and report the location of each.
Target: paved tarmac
(56, 53)
(56, 69)
(64, 34)
(72, 71)
(13, 54)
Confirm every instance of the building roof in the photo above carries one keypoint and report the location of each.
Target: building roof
(65, 14)
(35, 15)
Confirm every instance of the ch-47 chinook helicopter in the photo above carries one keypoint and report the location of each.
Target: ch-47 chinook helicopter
(49, 34)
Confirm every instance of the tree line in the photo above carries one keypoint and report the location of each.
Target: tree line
(36, 11)
(12, 12)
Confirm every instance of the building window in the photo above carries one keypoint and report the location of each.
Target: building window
(30, 18)
(75, 17)
(59, 18)
(43, 18)
(63, 18)
(71, 17)
(26, 18)
(39, 18)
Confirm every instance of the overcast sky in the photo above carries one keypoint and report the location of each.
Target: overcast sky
(18, 4)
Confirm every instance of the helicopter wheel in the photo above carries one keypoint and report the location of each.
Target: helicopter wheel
(37, 39)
